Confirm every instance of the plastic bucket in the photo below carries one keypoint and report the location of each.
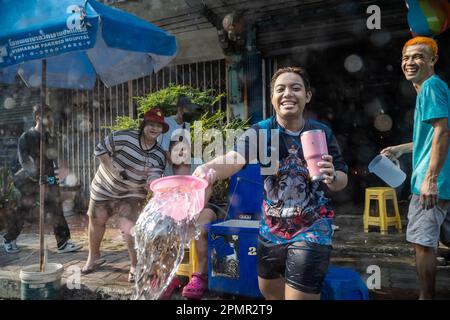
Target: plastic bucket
(37, 285)
(387, 170)
(189, 184)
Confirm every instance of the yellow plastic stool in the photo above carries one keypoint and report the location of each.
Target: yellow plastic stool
(381, 194)
(187, 269)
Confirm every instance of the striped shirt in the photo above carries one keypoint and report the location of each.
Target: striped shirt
(127, 154)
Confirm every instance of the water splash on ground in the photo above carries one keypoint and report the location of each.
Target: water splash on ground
(161, 240)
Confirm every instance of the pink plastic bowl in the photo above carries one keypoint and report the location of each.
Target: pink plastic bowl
(192, 184)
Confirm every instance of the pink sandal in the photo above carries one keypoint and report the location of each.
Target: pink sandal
(196, 288)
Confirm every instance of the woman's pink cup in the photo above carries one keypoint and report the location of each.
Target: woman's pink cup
(314, 144)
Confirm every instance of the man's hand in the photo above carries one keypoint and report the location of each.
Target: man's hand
(327, 169)
(393, 152)
(206, 173)
(429, 192)
(109, 164)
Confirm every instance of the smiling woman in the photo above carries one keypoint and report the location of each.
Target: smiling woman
(129, 159)
(295, 233)
(290, 94)
(151, 128)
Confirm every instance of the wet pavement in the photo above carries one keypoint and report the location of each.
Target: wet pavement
(109, 282)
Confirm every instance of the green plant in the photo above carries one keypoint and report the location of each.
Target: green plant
(166, 99)
(9, 195)
(218, 121)
(124, 123)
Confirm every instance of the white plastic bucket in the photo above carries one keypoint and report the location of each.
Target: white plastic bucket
(387, 170)
(37, 285)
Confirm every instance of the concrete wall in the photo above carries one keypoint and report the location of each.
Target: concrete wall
(196, 38)
(197, 46)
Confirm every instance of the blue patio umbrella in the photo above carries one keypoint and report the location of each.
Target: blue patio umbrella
(80, 40)
(68, 43)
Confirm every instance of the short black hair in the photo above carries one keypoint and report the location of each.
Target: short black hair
(298, 70)
(37, 109)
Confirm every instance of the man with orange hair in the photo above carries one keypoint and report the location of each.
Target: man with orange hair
(429, 210)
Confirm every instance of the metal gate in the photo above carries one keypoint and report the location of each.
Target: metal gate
(86, 112)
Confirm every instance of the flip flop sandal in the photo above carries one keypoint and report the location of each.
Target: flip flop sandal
(97, 264)
(196, 288)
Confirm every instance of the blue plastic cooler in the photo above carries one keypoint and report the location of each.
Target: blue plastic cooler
(232, 243)
(343, 284)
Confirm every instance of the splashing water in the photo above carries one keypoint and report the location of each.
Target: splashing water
(161, 236)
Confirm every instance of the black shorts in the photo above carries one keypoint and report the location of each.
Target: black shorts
(302, 264)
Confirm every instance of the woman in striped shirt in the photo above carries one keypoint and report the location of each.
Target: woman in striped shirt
(129, 160)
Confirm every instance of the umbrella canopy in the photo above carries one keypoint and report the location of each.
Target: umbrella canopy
(80, 39)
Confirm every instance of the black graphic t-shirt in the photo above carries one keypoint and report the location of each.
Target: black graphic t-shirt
(295, 208)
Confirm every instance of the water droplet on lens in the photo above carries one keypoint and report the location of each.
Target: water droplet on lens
(353, 63)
